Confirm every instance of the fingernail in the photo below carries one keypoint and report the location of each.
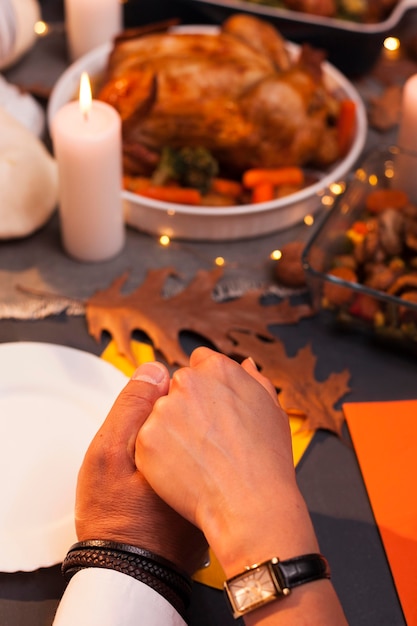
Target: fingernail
(251, 360)
(152, 372)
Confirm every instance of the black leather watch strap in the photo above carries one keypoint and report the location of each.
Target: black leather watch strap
(301, 570)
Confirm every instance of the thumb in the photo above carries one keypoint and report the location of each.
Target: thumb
(132, 407)
(250, 367)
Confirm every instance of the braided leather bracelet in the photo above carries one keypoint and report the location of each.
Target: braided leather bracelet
(153, 570)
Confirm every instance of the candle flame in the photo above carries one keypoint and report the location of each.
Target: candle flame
(85, 95)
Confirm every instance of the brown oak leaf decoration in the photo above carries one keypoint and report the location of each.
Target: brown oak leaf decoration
(385, 110)
(193, 309)
(294, 378)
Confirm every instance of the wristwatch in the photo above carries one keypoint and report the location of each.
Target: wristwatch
(272, 580)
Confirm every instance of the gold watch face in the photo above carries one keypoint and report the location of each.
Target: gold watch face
(251, 589)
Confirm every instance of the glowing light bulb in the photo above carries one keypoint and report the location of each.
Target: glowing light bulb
(392, 43)
(164, 240)
(41, 28)
(391, 47)
(275, 255)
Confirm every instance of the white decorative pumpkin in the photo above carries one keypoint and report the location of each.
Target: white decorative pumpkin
(17, 34)
(28, 180)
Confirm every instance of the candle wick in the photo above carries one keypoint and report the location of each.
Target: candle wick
(85, 115)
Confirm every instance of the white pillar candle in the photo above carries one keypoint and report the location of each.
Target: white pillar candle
(87, 144)
(406, 162)
(407, 134)
(89, 23)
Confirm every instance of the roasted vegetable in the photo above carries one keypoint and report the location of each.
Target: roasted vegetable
(189, 167)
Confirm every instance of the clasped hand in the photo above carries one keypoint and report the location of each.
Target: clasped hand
(178, 463)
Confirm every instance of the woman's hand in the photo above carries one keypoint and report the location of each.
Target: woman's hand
(218, 449)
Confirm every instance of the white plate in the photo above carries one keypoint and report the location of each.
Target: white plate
(53, 399)
(225, 223)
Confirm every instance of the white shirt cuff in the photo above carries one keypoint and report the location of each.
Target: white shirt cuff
(102, 597)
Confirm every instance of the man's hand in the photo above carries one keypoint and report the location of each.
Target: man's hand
(114, 501)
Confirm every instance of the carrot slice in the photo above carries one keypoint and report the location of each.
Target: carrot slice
(135, 183)
(275, 176)
(382, 199)
(226, 187)
(346, 125)
(178, 195)
(361, 228)
(263, 192)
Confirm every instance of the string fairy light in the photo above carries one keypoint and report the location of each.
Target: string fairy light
(41, 28)
(391, 48)
(164, 240)
(308, 220)
(275, 255)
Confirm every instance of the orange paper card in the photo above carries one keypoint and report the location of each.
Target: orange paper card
(384, 436)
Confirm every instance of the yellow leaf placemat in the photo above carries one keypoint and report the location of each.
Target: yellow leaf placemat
(213, 575)
(142, 352)
(300, 438)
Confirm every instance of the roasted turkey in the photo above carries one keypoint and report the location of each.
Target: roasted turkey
(237, 92)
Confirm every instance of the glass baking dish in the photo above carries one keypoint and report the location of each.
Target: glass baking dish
(361, 262)
(351, 46)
